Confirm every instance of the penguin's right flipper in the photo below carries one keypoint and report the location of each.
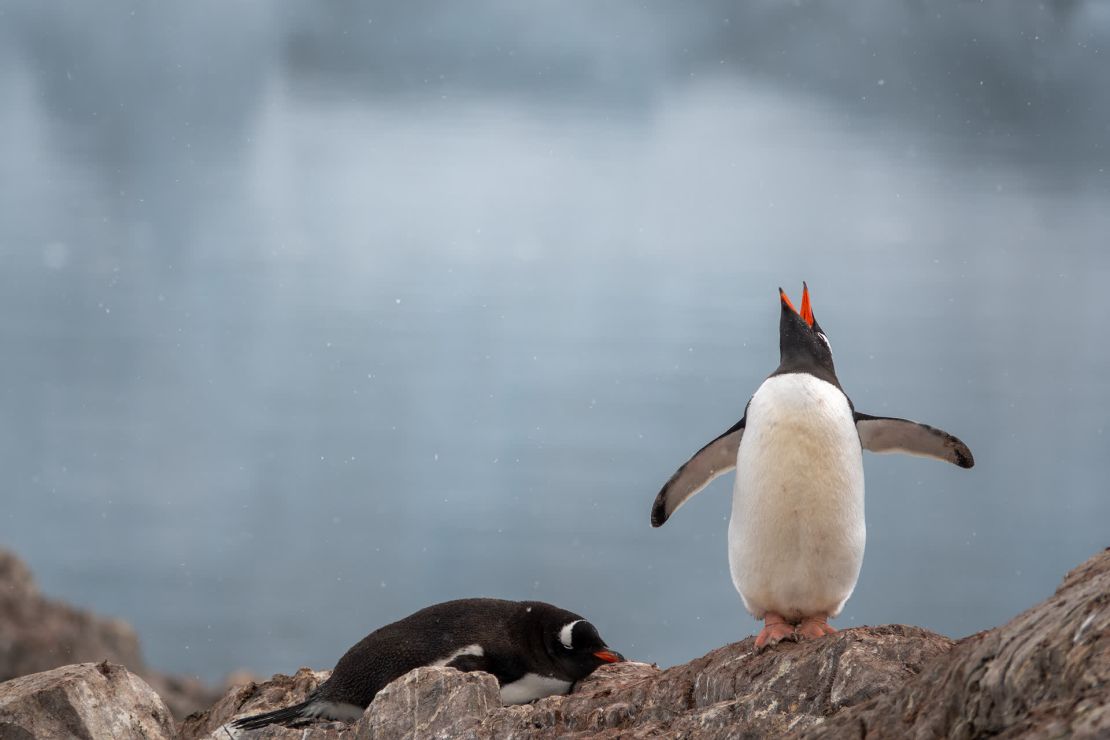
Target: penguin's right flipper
(716, 458)
(504, 673)
(276, 717)
(890, 434)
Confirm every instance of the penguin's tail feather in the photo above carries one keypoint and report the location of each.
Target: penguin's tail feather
(277, 716)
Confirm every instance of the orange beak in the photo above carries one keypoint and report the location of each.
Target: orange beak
(807, 310)
(609, 656)
(786, 300)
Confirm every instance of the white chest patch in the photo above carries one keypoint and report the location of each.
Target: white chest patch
(475, 650)
(532, 686)
(797, 532)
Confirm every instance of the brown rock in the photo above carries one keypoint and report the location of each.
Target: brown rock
(1046, 673)
(254, 698)
(431, 703)
(37, 634)
(87, 701)
(733, 691)
(182, 694)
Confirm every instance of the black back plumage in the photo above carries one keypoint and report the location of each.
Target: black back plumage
(515, 637)
(501, 628)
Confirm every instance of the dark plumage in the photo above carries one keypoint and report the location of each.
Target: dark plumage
(534, 649)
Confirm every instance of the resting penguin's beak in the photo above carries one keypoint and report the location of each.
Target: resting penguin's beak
(807, 310)
(609, 656)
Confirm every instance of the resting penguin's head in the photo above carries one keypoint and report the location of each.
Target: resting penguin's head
(802, 342)
(572, 643)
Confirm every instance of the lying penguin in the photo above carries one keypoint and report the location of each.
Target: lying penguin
(532, 648)
(796, 535)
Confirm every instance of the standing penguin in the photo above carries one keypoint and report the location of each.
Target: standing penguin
(796, 536)
(532, 648)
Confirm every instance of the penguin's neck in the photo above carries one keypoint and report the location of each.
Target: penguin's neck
(802, 364)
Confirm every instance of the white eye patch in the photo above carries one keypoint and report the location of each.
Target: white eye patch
(565, 634)
(825, 340)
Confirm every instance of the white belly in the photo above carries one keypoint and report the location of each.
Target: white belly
(796, 535)
(532, 686)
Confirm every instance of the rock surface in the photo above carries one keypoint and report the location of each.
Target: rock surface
(432, 703)
(37, 634)
(87, 700)
(254, 698)
(732, 688)
(1044, 674)
(733, 691)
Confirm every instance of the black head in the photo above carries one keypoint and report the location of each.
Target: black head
(803, 346)
(572, 643)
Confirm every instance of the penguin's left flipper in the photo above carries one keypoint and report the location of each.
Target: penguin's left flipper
(890, 434)
(466, 663)
(504, 672)
(716, 458)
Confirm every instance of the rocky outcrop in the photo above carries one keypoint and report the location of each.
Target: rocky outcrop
(87, 700)
(37, 634)
(732, 688)
(1044, 674)
(733, 691)
(255, 698)
(432, 702)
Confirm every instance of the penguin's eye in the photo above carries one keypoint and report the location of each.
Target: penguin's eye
(823, 338)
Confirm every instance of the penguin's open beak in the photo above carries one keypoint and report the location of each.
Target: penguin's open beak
(807, 310)
(609, 656)
(786, 300)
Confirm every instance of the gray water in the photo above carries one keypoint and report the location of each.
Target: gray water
(314, 315)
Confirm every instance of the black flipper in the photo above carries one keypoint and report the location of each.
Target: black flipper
(891, 434)
(716, 458)
(276, 717)
(466, 663)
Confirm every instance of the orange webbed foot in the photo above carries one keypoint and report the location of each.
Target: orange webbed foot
(810, 628)
(775, 630)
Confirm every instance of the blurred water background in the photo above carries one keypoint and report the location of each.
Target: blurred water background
(315, 314)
